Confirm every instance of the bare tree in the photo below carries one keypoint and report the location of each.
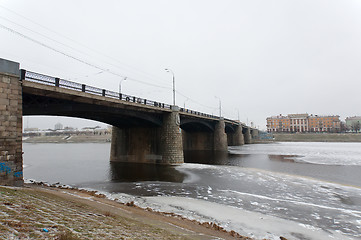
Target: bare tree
(343, 127)
(355, 126)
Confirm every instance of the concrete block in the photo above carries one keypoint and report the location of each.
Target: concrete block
(13, 118)
(10, 67)
(15, 92)
(4, 101)
(12, 97)
(14, 103)
(15, 86)
(5, 79)
(3, 85)
(3, 95)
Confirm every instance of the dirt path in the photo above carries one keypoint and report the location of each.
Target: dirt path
(38, 212)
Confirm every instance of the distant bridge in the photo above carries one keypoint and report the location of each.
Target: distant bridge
(143, 130)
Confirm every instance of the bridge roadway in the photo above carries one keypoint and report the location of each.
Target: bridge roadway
(143, 130)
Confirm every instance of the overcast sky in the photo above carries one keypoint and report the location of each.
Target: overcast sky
(261, 58)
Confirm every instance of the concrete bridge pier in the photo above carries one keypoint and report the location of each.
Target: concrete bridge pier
(211, 140)
(11, 159)
(237, 136)
(135, 144)
(220, 137)
(171, 138)
(254, 134)
(197, 141)
(161, 145)
(247, 135)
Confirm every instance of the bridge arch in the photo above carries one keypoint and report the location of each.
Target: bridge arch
(230, 128)
(119, 117)
(196, 125)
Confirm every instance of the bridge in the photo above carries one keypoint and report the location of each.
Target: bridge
(144, 130)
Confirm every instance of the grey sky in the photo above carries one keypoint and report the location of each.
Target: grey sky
(261, 57)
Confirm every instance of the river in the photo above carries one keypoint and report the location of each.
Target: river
(294, 190)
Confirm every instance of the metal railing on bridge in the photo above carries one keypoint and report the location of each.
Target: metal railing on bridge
(57, 82)
(53, 81)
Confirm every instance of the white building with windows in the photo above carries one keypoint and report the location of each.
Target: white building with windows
(298, 122)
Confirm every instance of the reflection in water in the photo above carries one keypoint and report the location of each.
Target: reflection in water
(231, 159)
(206, 157)
(133, 172)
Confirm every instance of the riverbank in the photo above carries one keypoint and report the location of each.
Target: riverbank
(317, 137)
(39, 212)
(69, 139)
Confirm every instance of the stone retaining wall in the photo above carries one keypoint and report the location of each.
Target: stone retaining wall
(11, 160)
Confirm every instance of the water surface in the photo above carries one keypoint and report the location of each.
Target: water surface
(297, 190)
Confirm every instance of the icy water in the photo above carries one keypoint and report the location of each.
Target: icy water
(295, 190)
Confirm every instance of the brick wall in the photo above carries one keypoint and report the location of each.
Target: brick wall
(11, 161)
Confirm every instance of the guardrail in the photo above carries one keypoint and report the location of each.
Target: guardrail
(57, 82)
(53, 81)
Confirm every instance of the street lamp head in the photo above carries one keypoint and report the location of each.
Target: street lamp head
(169, 70)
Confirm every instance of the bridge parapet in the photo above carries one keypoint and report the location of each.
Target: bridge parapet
(61, 83)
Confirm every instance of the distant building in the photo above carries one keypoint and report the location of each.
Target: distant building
(303, 123)
(324, 123)
(58, 126)
(278, 124)
(353, 123)
(299, 122)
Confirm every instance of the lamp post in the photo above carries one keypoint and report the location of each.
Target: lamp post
(237, 114)
(168, 70)
(120, 84)
(184, 104)
(220, 106)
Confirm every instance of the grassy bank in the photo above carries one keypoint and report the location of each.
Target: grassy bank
(50, 213)
(318, 137)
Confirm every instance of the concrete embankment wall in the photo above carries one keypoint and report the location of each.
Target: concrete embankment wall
(318, 137)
